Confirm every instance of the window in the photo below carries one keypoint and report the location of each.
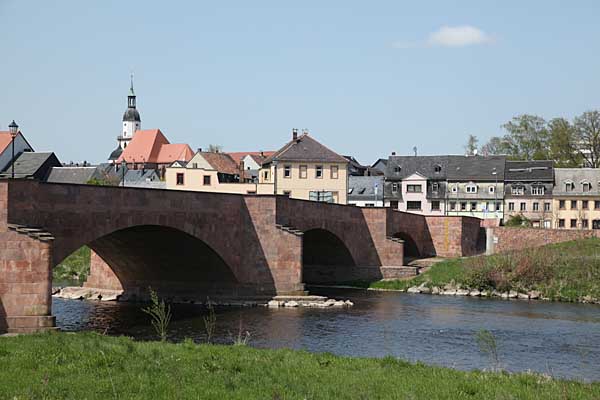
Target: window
(538, 190)
(561, 223)
(435, 187)
(397, 169)
(585, 224)
(180, 178)
(596, 224)
(303, 172)
(491, 189)
(471, 188)
(498, 206)
(266, 175)
(474, 206)
(536, 206)
(546, 206)
(511, 206)
(517, 190)
(287, 171)
(394, 188)
(369, 205)
(394, 204)
(454, 188)
(596, 204)
(319, 172)
(452, 205)
(334, 171)
(437, 169)
(585, 204)
(573, 223)
(251, 192)
(287, 193)
(523, 207)
(206, 180)
(413, 205)
(321, 196)
(569, 186)
(561, 204)
(573, 204)
(463, 206)
(413, 188)
(586, 186)
(435, 205)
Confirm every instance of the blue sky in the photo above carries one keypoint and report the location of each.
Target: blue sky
(365, 77)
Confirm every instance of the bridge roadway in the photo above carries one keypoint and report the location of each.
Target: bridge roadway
(200, 244)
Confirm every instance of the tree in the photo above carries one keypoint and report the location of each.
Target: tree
(471, 146)
(528, 137)
(496, 146)
(562, 144)
(587, 136)
(215, 148)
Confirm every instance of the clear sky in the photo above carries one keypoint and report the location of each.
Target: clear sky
(365, 77)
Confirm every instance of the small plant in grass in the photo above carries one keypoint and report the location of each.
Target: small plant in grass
(160, 314)
(210, 321)
(487, 345)
(242, 337)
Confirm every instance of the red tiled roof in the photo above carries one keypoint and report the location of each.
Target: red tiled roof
(152, 146)
(237, 156)
(5, 140)
(222, 162)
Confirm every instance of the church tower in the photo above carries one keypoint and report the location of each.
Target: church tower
(131, 123)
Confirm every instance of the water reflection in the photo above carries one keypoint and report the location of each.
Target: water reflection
(554, 338)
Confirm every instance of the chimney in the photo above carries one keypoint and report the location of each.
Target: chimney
(199, 149)
(262, 154)
(393, 153)
(295, 134)
(242, 171)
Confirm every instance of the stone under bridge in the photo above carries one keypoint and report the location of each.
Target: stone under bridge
(200, 244)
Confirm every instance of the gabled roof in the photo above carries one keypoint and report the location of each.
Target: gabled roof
(533, 170)
(80, 175)
(6, 140)
(400, 167)
(474, 168)
(258, 156)
(29, 165)
(305, 148)
(221, 162)
(363, 187)
(151, 146)
(576, 176)
(141, 175)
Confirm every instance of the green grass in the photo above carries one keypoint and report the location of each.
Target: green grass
(566, 271)
(74, 269)
(92, 366)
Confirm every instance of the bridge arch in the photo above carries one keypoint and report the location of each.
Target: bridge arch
(325, 257)
(411, 249)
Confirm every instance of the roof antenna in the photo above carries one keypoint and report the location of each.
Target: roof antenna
(415, 150)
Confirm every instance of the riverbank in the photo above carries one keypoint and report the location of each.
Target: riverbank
(87, 365)
(568, 271)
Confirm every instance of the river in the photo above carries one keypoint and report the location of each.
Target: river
(559, 339)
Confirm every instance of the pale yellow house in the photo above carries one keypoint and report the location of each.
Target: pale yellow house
(305, 169)
(576, 198)
(211, 172)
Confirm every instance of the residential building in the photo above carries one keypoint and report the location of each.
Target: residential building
(6, 147)
(378, 167)
(251, 163)
(32, 165)
(211, 172)
(476, 186)
(576, 198)
(355, 168)
(305, 169)
(528, 191)
(416, 184)
(150, 149)
(365, 191)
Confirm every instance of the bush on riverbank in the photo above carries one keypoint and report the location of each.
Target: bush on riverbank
(74, 269)
(568, 271)
(91, 366)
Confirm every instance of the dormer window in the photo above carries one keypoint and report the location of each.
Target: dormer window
(471, 188)
(517, 190)
(435, 187)
(538, 190)
(569, 186)
(397, 169)
(394, 188)
(455, 189)
(492, 189)
(586, 186)
(437, 169)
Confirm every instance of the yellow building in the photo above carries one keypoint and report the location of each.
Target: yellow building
(305, 169)
(576, 198)
(211, 172)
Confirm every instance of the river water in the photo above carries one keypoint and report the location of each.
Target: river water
(559, 339)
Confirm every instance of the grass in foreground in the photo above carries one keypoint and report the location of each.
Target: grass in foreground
(92, 366)
(566, 271)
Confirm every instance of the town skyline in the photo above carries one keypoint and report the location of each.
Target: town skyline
(244, 77)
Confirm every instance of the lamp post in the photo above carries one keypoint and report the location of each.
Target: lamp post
(495, 173)
(14, 129)
(123, 165)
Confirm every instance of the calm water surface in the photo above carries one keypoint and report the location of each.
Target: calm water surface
(560, 339)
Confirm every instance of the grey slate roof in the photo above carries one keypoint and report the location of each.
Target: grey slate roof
(139, 175)
(363, 187)
(305, 148)
(476, 168)
(131, 114)
(71, 174)
(528, 171)
(576, 176)
(116, 153)
(400, 167)
(32, 165)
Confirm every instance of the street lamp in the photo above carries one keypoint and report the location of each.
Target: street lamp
(495, 173)
(13, 129)
(123, 165)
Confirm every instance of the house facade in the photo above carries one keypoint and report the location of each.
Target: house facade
(576, 198)
(305, 169)
(528, 191)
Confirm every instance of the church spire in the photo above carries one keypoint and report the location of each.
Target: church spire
(131, 96)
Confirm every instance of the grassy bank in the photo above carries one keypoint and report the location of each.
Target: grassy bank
(75, 269)
(91, 366)
(567, 271)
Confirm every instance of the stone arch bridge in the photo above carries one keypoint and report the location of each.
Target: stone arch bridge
(197, 244)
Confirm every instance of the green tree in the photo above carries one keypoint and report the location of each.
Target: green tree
(471, 146)
(528, 137)
(587, 136)
(562, 144)
(496, 146)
